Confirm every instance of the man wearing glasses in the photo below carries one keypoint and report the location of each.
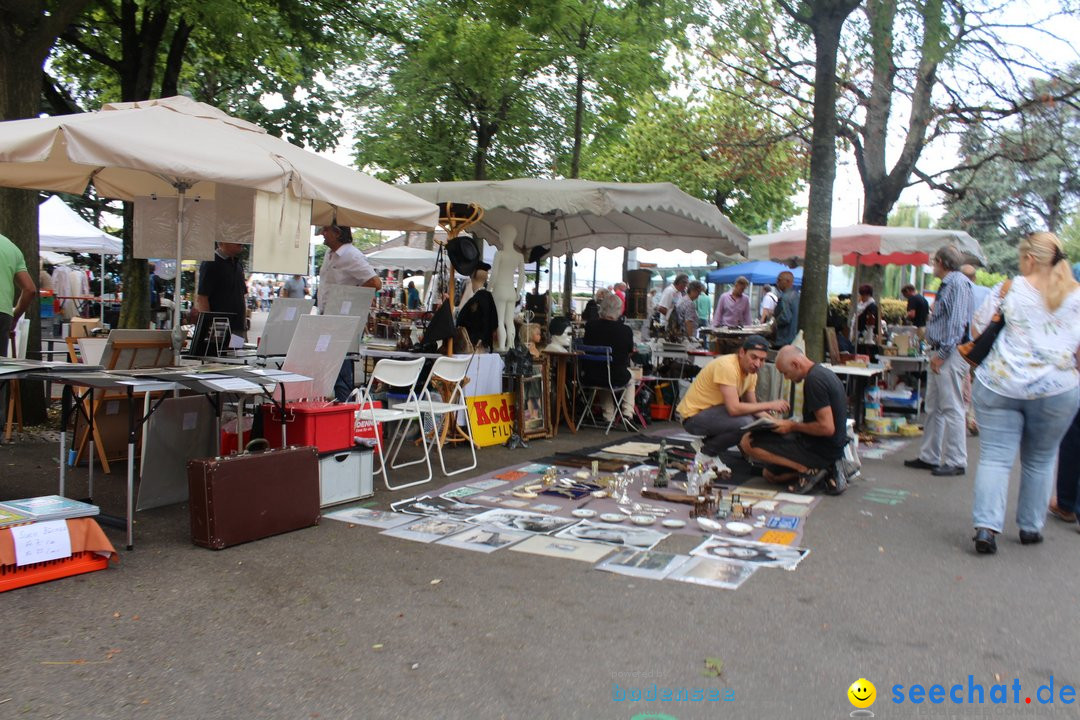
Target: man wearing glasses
(944, 447)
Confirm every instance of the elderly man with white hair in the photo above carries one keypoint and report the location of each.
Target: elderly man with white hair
(609, 331)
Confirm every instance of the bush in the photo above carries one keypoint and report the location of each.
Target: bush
(894, 312)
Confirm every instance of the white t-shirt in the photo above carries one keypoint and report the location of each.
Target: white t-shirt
(344, 266)
(1035, 353)
(768, 302)
(668, 299)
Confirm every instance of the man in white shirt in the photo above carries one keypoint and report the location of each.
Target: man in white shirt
(671, 296)
(343, 264)
(768, 302)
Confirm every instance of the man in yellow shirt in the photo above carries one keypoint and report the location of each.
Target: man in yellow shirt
(721, 400)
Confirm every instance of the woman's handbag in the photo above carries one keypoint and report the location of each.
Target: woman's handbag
(975, 351)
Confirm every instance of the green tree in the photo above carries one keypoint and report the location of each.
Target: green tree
(713, 148)
(1018, 178)
(233, 54)
(28, 30)
(456, 91)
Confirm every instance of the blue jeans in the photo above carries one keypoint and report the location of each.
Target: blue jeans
(1068, 477)
(1035, 427)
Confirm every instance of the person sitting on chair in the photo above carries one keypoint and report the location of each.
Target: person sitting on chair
(607, 330)
(804, 453)
(721, 400)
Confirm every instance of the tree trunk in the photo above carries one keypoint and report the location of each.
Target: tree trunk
(135, 279)
(28, 30)
(826, 23)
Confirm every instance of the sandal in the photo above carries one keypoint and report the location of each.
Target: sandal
(1061, 514)
(807, 482)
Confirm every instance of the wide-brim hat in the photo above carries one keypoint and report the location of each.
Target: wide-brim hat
(537, 253)
(463, 254)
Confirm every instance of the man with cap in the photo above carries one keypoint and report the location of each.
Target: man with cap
(721, 400)
(804, 453)
(344, 264)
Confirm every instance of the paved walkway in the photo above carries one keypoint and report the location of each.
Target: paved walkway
(340, 622)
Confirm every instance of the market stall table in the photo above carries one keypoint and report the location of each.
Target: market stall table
(859, 375)
(915, 365)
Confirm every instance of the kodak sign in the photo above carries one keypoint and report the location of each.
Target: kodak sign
(492, 418)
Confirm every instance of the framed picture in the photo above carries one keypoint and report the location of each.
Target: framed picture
(532, 405)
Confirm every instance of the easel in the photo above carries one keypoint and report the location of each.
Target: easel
(140, 354)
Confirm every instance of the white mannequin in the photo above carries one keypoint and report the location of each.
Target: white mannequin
(508, 261)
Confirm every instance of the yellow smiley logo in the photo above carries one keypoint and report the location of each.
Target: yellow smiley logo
(862, 693)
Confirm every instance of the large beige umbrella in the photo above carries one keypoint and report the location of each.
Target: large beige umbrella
(868, 245)
(570, 215)
(175, 146)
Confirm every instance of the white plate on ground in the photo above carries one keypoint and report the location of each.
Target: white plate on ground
(583, 513)
(738, 528)
(612, 517)
(673, 523)
(642, 519)
(708, 525)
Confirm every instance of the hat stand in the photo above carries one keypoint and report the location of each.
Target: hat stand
(454, 218)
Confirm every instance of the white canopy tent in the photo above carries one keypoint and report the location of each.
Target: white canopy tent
(61, 229)
(868, 245)
(403, 258)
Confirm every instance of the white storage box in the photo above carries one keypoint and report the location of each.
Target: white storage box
(345, 475)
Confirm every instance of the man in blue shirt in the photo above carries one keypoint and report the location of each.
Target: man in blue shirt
(944, 446)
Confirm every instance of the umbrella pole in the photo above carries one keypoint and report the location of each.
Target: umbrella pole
(853, 325)
(181, 192)
(101, 304)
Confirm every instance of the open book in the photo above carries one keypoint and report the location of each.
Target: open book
(761, 424)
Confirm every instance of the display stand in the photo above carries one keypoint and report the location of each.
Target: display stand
(565, 389)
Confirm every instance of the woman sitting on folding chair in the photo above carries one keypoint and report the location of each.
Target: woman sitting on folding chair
(608, 330)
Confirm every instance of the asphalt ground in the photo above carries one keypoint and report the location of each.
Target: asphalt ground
(340, 622)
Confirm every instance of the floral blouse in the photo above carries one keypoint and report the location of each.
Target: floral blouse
(1035, 354)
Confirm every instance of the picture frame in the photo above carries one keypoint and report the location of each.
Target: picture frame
(533, 407)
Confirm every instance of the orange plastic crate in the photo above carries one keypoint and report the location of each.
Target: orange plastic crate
(13, 576)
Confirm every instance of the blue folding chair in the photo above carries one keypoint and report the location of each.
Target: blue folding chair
(595, 356)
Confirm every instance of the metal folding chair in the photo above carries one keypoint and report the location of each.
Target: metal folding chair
(596, 355)
(395, 373)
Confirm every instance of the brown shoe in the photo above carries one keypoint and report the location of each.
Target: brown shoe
(1064, 515)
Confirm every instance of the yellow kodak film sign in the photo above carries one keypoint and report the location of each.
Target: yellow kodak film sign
(492, 418)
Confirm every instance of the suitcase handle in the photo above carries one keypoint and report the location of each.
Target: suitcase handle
(257, 445)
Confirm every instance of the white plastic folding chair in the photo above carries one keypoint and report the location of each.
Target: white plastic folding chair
(395, 373)
(450, 371)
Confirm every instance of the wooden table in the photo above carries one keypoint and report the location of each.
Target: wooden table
(563, 387)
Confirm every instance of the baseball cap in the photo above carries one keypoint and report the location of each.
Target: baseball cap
(755, 342)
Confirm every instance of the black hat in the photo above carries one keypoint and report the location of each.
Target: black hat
(483, 266)
(558, 325)
(463, 254)
(537, 253)
(755, 342)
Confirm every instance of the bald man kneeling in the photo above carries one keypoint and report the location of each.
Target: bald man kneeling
(803, 453)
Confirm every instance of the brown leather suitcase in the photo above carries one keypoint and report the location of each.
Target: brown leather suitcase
(240, 498)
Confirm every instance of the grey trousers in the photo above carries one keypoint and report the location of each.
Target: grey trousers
(721, 429)
(945, 431)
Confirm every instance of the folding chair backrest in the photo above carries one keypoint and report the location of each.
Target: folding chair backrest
(398, 373)
(451, 369)
(594, 353)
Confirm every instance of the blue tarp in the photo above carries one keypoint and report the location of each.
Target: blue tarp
(758, 272)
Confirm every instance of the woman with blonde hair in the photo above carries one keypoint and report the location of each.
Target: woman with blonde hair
(1026, 391)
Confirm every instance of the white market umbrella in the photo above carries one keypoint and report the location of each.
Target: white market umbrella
(571, 215)
(175, 146)
(403, 258)
(868, 245)
(62, 229)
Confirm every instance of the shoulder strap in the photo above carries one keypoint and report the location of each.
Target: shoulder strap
(1005, 287)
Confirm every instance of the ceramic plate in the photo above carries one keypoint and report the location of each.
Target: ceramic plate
(708, 525)
(738, 528)
(673, 523)
(583, 513)
(642, 519)
(612, 517)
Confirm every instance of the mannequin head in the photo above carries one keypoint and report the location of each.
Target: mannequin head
(561, 335)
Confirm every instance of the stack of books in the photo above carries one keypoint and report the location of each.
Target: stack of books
(47, 507)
